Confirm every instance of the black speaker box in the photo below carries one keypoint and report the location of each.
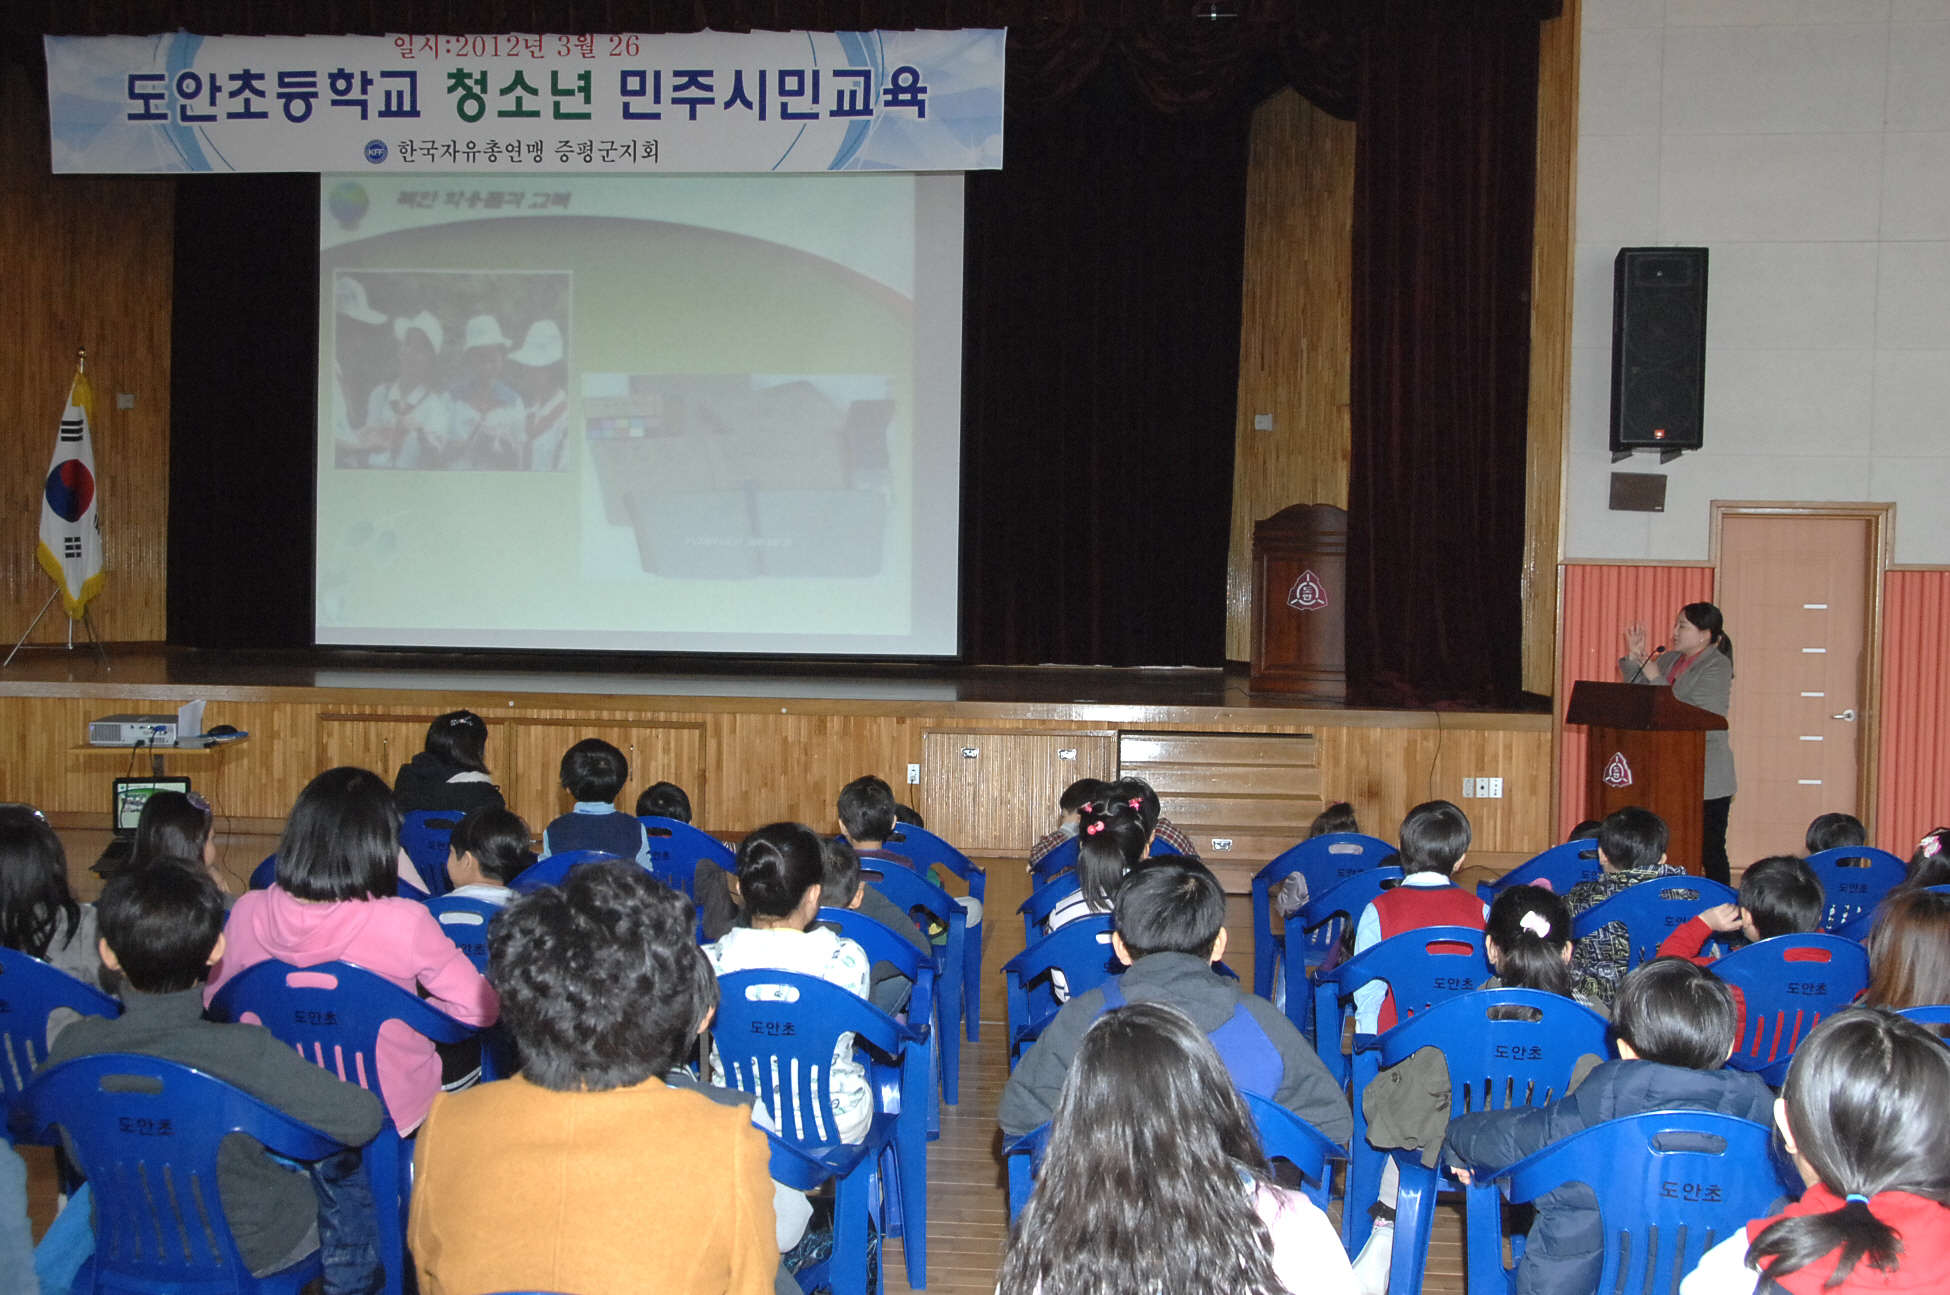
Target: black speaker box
(1658, 350)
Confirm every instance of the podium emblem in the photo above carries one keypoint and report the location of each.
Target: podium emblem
(1618, 773)
(1307, 594)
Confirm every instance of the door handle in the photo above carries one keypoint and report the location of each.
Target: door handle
(1848, 715)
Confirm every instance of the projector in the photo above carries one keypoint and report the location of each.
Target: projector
(128, 730)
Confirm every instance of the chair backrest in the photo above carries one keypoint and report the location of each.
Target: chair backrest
(928, 850)
(881, 943)
(677, 848)
(1652, 910)
(553, 870)
(1080, 950)
(910, 890)
(1498, 1059)
(1318, 926)
(466, 923)
(1043, 900)
(1854, 879)
(265, 874)
(1326, 860)
(1285, 1136)
(1060, 859)
(775, 1032)
(1563, 866)
(426, 836)
(148, 1145)
(331, 1013)
(1789, 983)
(1936, 1014)
(29, 990)
(1670, 1186)
(1422, 967)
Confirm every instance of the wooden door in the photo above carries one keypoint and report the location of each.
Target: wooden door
(669, 752)
(997, 790)
(1796, 594)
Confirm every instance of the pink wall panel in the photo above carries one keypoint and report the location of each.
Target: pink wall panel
(1599, 602)
(1913, 792)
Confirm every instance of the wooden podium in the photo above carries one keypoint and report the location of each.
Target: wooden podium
(1646, 747)
(1300, 602)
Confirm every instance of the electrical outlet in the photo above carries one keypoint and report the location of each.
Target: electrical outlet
(1221, 843)
(913, 775)
(1262, 422)
(125, 400)
(1469, 789)
(1496, 788)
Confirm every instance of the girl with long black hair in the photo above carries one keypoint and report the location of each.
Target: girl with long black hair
(38, 913)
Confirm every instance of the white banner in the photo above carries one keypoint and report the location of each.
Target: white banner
(711, 101)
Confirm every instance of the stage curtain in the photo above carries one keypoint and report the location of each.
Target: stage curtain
(1445, 182)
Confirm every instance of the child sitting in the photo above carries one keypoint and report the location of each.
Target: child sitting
(1631, 849)
(1169, 928)
(1335, 819)
(840, 887)
(1779, 895)
(1866, 1116)
(1434, 841)
(869, 814)
(162, 928)
(1675, 1024)
(487, 851)
(1112, 841)
(1930, 864)
(1069, 807)
(664, 800)
(1527, 939)
(1836, 832)
(594, 772)
(1909, 952)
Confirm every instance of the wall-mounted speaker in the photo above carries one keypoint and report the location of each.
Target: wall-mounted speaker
(1658, 350)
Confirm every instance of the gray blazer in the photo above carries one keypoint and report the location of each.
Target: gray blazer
(1707, 684)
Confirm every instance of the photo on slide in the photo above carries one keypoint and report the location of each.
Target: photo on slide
(738, 476)
(451, 370)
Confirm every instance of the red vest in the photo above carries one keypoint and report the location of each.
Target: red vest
(1410, 908)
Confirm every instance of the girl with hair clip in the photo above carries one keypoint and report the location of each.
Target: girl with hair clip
(1866, 1116)
(1154, 1179)
(451, 773)
(1527, 938)
(178, 825)
(1930, 864)
(1112, 839)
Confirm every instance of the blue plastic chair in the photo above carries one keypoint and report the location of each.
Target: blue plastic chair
(1421, 968)
(29, 990)
(1853, 890)
(1788, 984)
(1862, 927)
(466, 922)
(781, 1051)
(884, 945)
(1652, 910)
(151, 1162)
(426, 836)
(336, 1026)
(1938, 1014)
(1043, 901)
(1563, 866)
(909, 891)
(676, 848)
(1313, 932)
(1080, 950)
(1493, 1065)
(552, 870)
(1325, 861)
(265, 874)
(1664, 1202)
(1059, 860)
(926, 850)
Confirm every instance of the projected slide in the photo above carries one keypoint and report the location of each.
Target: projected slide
(662, 413)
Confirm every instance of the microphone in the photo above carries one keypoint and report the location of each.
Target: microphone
(1638, 675)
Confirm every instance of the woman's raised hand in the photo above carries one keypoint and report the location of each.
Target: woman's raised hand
(1635, 641)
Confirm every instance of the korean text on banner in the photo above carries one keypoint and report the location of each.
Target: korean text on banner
(71, 532)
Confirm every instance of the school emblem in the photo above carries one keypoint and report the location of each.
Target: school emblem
(1307, 594)
(1618, 773)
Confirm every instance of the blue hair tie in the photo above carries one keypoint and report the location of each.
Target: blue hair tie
(1855, 1196)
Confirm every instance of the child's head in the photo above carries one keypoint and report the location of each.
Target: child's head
(908, 816)
(459, 738)
(342, 839)
(161, 925)
(1111, 839)
(1930, 865)
(1866, 1110)
(601, 979)
(1909, 950)
(867, 811)
(1171, 905)
(1677, 1014)
(1080, 793)
(780, 869)
(173, 826)
(1337, 817)
(1836, 832)
(491, 842)
(839, 884)
(1435, 837)
(1586, 830)
(1780, 895)
(1136, 793)
(35, 903)
(1147, 1088)
(1631, 838)
(1528, 940)
(594, 771)
(664, 800)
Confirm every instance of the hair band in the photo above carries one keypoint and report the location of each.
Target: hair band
(1855, 1196)
(1535, 923)
(1930, 845)
(1136, 803)
(1094, 828)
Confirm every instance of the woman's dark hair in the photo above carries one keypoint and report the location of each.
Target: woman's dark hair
(1705, 616)
(36, 906)
(161, 921)
(1149, 1178)
(601, 979)
(593, 771)
(1111, 837)
(1909, 951)
(1435, 837)
(664, 800)
(1137, 790)
(172, 826)
(1835, 832)
(776, 865)
(1337, 817)
(498, 839)
(1930, 864)
(459, 738)
(1676, 1014)
(1531, 927)
(342, 839)
(1868, 1101)
(1633, 837)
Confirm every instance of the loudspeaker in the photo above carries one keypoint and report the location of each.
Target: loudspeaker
(1658, 350)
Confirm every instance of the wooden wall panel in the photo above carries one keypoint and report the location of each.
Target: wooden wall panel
(87, 264)
(1913, 783)
(1005, 795)
(1294, 330)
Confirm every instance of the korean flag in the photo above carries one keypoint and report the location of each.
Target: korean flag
(71, 533)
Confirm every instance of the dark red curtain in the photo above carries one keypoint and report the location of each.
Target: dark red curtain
(1445, 182)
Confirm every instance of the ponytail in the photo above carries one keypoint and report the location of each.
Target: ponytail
(1794, 1243)
(1531, 927)
(1111, 837)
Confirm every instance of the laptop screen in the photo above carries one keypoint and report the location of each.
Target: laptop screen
(131, 794)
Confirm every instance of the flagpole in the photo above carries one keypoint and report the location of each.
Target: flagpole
(30, 629)
(88, 623)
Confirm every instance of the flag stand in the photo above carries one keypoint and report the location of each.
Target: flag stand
(87, 623)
